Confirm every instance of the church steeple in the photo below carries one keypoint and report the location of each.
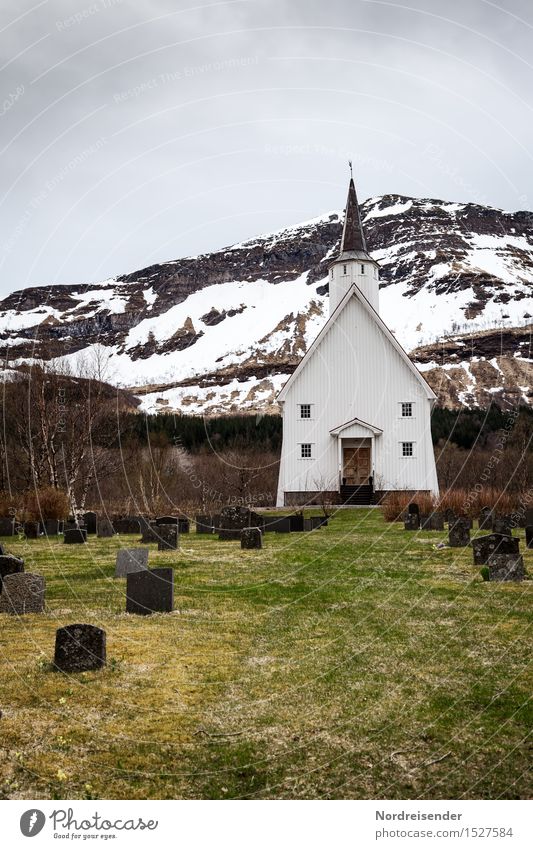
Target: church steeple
(353, 237)
(353, 264)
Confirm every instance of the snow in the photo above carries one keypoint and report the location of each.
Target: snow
(104, 298)
(11, 321)
(395, 209)
(150, 296)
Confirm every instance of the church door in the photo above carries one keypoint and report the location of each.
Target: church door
(356, 465)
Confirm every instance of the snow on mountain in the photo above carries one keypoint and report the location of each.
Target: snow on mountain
(223, 331)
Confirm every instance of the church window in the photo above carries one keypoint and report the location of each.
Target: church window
(344, 267)
(407, 409)
(362, 269)
(407, 449)
(305, 450)
(305, 411)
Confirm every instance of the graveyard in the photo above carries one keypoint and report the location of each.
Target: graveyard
(354, 660)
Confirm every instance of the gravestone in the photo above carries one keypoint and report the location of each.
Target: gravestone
(485, 519)
(216, 523)
(251, 538)
(75, 536)
(150, 591)
(308, 525)
(2, 550)
(528, 518)
(529, 536)
(131, 560)
(413, 508)
(283, 525)
(149, 532)
(168, 538)
(105, 529)
(204, 524)
(234, 519)
(506, 567)
(449, 516)
(500, 525)
(128, 525)
(319, 521)
(7, 527)
(184, 525)
(484, 547)
(436, 521)
(22, 592)
(459, 534)
(91, 521)
(412, 522)
(9, 565)
(31, 530)
(51, 527)
(73, 523)
(80, 648)
(167, 520)
(297, 523)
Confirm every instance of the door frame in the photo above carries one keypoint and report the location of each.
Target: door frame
(361, 442)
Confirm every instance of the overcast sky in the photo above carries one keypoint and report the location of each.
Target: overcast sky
(138, 131)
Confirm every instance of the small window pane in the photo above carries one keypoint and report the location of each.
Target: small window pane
(305, 411)
(305, 448)
(362, 269)
(407, 449)
(344, 269)
(407, 409)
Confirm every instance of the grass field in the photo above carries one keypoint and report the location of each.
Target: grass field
(353, 662)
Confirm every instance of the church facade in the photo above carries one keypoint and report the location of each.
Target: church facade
(356, 411)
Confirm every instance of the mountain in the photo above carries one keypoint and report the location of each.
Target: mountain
(221, 332)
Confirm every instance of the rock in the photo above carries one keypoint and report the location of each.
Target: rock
(22, 592)
(80, 648)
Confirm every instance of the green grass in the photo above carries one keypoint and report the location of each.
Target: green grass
(353, 662)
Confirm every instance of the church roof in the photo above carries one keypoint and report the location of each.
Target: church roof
(352, 292)
(353, 237)
(336, 431)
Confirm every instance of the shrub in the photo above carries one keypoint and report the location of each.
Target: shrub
(395, 504)
(484, 572)
(47, 503)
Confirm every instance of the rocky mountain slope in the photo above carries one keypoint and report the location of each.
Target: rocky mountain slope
(221, 332)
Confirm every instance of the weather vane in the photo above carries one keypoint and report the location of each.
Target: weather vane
(350, 167)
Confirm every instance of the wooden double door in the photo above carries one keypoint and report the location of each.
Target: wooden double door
(356, 467)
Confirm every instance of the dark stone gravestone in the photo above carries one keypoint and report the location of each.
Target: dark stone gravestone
(449, 516)
(436, 521)
(204, 524)
(73, 523)
(149, 532)
(459, 534)
(22, 593)
(413, 508)
(184, 525)
(425, 522)
(485, 519)
(297, 523)
(167, 520)
(31, 530)
(234, 519)
(131, 560)
(80, 648)
(51, 527)
(128, 525)
(168, 538)
(529, 536)
(9, 565)
(75, 536)
(500, 525)
(319, 521)
(308, 524)
(7, 527)
(528, 518)
(506, 567)
(283, 525)
(105, 529)
(484, 547)
(216, 523)
(91, 521)
(150, 591)
(251, 538)
(412, 522)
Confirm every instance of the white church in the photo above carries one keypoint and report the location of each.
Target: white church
(356, 411)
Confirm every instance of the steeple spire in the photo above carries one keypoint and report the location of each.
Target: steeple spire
(353, 238)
